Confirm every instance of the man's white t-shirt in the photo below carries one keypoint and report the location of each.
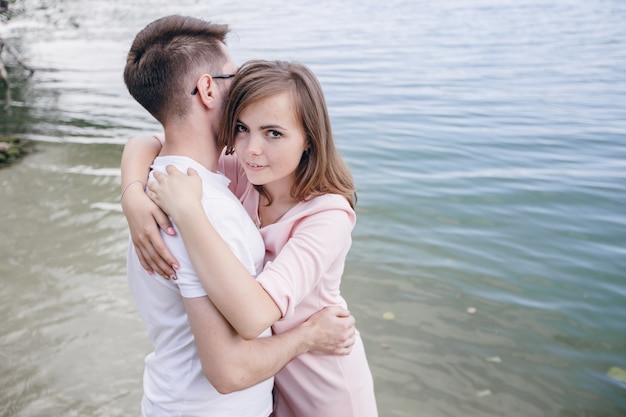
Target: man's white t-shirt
(173, 382)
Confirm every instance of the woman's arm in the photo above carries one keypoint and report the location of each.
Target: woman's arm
(235, 293)
(138, 154)
(143, 216)
(316, 247)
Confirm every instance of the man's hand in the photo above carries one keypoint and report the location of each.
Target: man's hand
(144, 220)
(332, 331)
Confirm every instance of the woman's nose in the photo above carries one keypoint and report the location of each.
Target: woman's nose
(255, 144)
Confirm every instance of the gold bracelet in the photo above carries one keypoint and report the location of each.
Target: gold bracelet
(128, 185)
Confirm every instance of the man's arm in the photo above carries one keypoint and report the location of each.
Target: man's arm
(231, 363)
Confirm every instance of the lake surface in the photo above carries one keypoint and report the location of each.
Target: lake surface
(488, 143)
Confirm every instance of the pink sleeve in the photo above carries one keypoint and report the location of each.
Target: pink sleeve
(316, 244)
(230, 167)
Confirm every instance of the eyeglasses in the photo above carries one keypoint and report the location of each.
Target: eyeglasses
(195, 90)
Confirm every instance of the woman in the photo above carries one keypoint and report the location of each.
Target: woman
(295, 186)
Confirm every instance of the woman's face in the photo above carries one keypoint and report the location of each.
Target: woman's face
(270, 142)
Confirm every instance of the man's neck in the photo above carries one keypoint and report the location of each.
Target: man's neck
(198, 145)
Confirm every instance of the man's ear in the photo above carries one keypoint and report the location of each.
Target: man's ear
(206, 90)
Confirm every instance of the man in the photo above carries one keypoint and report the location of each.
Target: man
(178, 68)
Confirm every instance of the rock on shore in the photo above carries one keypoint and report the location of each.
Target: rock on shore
(12, 149)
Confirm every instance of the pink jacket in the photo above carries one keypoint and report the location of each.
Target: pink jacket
(305, 253)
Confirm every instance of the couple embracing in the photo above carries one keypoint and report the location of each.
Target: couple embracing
(241, 215)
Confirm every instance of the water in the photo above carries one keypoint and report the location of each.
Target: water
(488, 142)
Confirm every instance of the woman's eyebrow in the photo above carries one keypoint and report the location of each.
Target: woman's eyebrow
(273, 127)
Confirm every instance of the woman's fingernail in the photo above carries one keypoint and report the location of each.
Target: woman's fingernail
(171, 231)
(175, 266)
(174, 277)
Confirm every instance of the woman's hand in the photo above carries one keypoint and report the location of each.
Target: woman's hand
(144, 220)
(176, 194)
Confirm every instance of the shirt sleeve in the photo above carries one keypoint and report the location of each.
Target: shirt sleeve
(240, 234)
(318, 243)
(228, 222)
(187, 280)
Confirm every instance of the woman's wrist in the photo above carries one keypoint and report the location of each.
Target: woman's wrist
(129, 185)
(190, 211)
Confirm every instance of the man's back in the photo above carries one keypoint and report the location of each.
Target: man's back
(173, 378)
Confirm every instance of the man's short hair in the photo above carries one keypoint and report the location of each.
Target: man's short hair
(166, 59)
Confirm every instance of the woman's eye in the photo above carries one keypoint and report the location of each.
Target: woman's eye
(240, 128)
(274, 134)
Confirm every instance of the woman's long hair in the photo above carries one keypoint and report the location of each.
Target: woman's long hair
(321, 169)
